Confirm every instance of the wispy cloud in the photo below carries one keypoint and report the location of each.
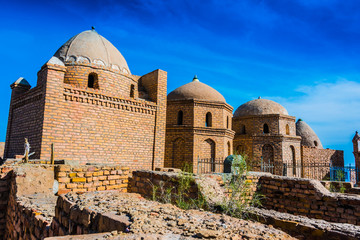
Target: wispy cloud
(331, 109)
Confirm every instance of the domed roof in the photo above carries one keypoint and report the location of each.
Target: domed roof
(308, 136)
(196, 90)
(260, 107)
(89, 47)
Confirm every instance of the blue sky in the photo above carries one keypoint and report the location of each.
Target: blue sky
(303, 54)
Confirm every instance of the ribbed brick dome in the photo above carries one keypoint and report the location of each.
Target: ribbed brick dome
(308, 136)
(260, 107)
(89, 47)
(196, 90)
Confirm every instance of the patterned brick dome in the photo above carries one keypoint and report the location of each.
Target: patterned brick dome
(89, 47)
(196, 90)
(260, 107)
(308, 136)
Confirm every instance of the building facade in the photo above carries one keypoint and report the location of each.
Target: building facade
(91, 107)
(198, 126)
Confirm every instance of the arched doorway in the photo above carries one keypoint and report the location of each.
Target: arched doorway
(208, 152)
(268, 158)
(178, 159)
(268, 154)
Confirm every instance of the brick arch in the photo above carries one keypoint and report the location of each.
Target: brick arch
(178, 153)
(208, 148)
(267, 153)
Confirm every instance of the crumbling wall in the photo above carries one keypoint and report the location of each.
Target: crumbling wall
(91, 178)
(146, 182)
(308, 198)
(5, 180)
(23, 219)
(71, 219)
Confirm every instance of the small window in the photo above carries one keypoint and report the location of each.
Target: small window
(92, 80)
(208, 121)
(243, 129)
(315, 143)
(132, 91)
(266, 128)
(227, 123)
(287, 129)
(180, 118)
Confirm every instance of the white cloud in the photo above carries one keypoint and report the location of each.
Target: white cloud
(331, 109)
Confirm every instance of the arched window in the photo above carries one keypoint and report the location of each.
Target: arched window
(180, 117)
(92, 80)
(293, 160)
(315, 143)
(266, 128)
(229, 148)
(243, 129)
(208, 120)
(287, 129)
(132, 91)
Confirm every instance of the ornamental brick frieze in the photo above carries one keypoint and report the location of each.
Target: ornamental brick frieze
(82, 96)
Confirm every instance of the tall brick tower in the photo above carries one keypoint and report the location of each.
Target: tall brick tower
(91, 107)
(198, 125)
(356, 148)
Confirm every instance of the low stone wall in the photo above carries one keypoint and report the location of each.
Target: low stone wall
(146, 182)
(302, 227)
(91, 178)
(308, 198)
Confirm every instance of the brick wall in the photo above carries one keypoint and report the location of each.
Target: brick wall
(25, 121)
(110, 82)
(5, 180)
(102, 125)
(312, 154)
(308, 198)
(91, 178)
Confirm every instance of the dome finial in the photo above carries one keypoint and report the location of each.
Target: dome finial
(92, 28)
(195, 79)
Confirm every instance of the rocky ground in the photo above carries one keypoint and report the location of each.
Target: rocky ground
(149, 218)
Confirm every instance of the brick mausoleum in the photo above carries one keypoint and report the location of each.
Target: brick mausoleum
(93, 109)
